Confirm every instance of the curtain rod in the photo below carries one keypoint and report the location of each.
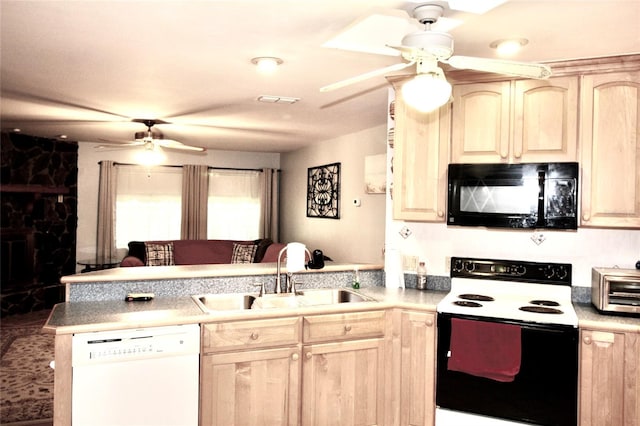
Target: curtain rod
(208, 167)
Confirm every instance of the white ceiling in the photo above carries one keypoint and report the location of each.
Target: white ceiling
(86, 68)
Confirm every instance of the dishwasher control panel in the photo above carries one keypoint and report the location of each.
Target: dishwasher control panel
(123, 345)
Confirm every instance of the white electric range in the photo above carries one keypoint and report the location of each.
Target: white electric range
(535, 299)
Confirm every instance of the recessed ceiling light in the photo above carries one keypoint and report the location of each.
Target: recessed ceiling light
(16, 130)
(508, 47)
(266, 64)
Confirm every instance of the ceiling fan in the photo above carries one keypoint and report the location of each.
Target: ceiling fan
(429, 89)
(151, 139)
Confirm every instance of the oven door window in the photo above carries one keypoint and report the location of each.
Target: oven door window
(543, 392)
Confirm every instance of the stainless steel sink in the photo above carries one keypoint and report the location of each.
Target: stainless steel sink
(333, 295)
(225, 302)
(210, 303)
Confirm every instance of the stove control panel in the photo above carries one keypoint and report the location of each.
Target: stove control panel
(515, 270)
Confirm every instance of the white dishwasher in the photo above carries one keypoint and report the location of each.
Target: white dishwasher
(136, 377)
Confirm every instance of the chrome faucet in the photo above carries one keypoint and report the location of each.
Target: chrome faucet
(290, 284)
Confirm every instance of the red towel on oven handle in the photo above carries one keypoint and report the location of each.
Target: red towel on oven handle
(485, 349)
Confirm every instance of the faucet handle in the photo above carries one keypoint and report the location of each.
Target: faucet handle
(294, 285)
(262, 290)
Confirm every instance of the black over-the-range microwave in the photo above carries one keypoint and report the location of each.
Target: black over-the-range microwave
(523, 195)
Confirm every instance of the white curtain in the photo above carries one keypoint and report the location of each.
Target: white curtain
(234, 204)
(148, 204)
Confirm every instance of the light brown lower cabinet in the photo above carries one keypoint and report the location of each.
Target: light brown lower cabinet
(312, 370)
(609, 378)
(417, 366)
(256, 387)
(342, 383)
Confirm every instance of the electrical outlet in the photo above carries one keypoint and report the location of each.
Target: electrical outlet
(409, 263)
(405, 232)
(447, 263)
(538, 238)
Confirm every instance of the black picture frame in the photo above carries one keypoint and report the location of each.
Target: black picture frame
(323, 191)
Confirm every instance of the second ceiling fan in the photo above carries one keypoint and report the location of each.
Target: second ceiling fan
(151, 139)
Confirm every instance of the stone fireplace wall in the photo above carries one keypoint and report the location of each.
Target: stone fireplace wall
(38, 191)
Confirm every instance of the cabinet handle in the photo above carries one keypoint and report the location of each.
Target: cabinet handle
(586, 217)
(503, 155)
(587, 340)
(347, 328)
(429, 322)
(308, 355)
(517, 154)
(254, 336)
(295, 357)
(440, 213)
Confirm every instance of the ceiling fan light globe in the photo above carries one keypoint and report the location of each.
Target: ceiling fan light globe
(426, 92)
(150, 157)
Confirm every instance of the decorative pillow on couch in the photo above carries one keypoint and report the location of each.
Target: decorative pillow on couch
(243, 253)
(159, 254)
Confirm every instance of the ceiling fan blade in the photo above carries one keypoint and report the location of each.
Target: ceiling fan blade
(116, 145)
(499, 66)
(365, 76)
(404, 50)
(171, 144)
(32, 97)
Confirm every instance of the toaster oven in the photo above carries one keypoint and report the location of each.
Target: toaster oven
(616, 290)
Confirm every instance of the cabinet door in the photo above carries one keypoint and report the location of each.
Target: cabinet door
(545, 120)
(480, 123)
(610, 115)
(609, 378)
(260, 387)
(420, 161)
(343, 383)
(418, 366)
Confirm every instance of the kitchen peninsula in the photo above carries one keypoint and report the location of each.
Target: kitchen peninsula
(380, 350)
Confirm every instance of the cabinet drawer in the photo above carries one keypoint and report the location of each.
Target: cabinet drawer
(356, 325)
(234, 335)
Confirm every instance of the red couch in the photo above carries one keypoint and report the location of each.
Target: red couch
(197, 252)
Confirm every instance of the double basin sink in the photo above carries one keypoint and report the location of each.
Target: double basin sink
(211, 303)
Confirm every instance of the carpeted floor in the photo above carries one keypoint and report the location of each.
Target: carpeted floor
(26, 380)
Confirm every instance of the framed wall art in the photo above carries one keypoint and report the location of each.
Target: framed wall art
(323, 191)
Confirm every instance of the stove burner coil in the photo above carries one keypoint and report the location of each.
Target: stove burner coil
(467, 304)
(541, 310)
(476, 297)
(544, 303)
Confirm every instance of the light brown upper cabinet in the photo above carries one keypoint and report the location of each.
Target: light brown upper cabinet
(515, 121)
(421, 150)
(610, 150)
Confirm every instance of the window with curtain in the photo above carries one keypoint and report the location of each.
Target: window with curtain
(148, 204)
(234, 205)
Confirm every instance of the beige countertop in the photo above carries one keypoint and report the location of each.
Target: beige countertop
(201, 271)
(78, 317)
(589, 317)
